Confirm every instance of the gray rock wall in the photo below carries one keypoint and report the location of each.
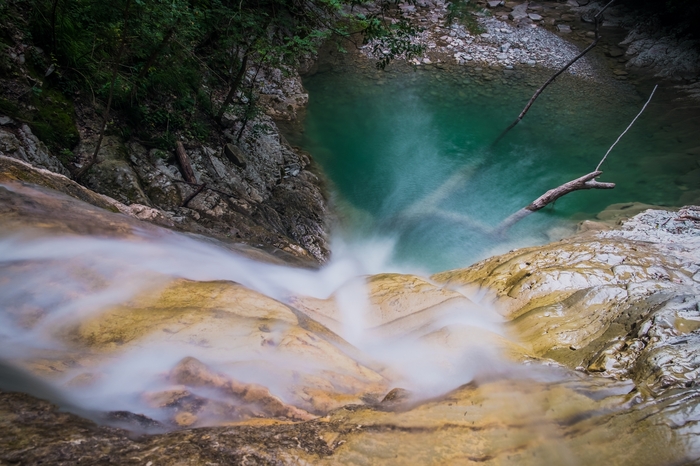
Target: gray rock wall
(264, 195)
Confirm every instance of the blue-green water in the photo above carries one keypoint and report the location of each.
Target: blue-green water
(386, 140)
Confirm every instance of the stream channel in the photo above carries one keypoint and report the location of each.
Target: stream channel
(388, 139)
(107, 320)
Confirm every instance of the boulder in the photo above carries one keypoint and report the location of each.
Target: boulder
(112, 174)
(235, 155)
(21, 144)
(519, 12)
(621, 302)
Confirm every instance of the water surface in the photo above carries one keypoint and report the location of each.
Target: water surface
(388, 139)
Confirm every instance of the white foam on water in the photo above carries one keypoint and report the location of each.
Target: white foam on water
(49, 283)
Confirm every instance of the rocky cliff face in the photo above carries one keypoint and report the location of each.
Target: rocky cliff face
(251, 186)
(591, 358)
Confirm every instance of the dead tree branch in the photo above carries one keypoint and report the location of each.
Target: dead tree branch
(539, 91)
(628, 128)
(194, 194)
(584, 182)
(223, 193)
(105, 116)
(152, 58)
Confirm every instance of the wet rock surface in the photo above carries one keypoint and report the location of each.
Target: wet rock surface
(620, 303)
(599, 348)
(486, 423)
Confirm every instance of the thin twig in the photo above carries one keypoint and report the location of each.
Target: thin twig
(200, 61)
(105, 116)
(625, 131)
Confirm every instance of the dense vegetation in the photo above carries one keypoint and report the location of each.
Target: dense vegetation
(684, 15)
(170, 67)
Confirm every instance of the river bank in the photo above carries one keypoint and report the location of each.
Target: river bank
(512, 35)
(261, 191)
(422, 125)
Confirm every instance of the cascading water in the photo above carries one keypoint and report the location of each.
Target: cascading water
(50, 284)
(158, 323)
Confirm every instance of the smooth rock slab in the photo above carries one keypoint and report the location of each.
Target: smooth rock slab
(597, 342)
(506, 422)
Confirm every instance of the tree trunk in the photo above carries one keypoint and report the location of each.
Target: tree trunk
(194, 194)
(53, 25)
(234, 88)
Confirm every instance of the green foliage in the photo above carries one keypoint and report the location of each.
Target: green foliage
(172, 56)
(66, 156)
(9, 108)
(390, 33)
(53, 121)
(681, 14)
(5, 61)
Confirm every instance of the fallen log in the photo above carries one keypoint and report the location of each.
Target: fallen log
(184, 160)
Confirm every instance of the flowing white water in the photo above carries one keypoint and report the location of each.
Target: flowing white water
(47, 283)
